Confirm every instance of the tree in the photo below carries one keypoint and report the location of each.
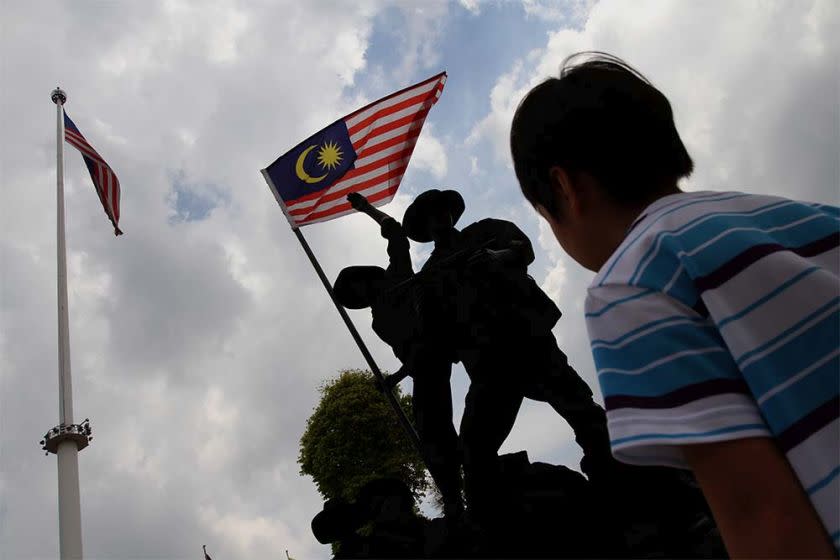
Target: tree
(353, 437)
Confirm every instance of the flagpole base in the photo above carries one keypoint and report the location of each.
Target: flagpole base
(80, 434)
(69, 503)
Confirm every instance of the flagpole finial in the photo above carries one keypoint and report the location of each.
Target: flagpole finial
(58, 96)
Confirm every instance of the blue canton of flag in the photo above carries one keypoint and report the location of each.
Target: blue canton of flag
(314, 164)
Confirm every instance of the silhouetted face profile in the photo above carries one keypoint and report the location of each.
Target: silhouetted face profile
(440, 223)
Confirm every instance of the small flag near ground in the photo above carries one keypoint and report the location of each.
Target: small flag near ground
(366, 152)
(104, 179)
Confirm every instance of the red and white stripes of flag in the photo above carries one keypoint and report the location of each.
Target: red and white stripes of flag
(104, 179)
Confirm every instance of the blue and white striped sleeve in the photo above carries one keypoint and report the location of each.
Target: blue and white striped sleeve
(667, 377)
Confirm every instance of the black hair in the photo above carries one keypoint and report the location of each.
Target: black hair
(603, 117)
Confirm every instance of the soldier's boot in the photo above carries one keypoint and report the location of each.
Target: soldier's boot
(572, 399)
(590, 428)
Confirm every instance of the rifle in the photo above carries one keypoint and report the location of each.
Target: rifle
(454, 257)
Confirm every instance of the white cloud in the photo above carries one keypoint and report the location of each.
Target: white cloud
(421, 26)
(555, 280)
(248, 536)
(504, 97)
(475, 170)
(430, 153)
(558, 11)
(739, 100)
(472, 6)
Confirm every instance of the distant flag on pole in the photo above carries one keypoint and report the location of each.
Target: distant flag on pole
(366, 152)
(104, 179)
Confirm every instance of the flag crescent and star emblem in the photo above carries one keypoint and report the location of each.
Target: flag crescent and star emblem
(329, 157)
(301, 172)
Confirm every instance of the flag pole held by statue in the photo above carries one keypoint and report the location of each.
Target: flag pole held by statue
(366, 152)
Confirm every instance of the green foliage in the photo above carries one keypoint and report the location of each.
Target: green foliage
(353, 436)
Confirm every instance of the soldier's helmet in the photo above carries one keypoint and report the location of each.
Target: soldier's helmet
(418, 216)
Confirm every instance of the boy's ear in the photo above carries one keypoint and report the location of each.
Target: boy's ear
(567, 195)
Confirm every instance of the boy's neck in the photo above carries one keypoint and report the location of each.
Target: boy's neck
(639, 210)
(614, 228)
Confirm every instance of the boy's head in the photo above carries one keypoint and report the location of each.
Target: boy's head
(599, 140)
(358, 287)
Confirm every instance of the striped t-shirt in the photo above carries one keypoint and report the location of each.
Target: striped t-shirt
(717, 319)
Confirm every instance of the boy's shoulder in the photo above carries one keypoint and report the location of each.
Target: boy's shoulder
(676, 228)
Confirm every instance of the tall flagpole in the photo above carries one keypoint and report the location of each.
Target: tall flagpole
(66, 439)
(65, 393)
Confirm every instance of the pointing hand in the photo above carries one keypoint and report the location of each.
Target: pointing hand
(357, 201)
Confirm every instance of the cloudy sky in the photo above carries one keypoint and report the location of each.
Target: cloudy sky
(199, 337)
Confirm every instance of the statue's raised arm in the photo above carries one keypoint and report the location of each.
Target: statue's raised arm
(360, 203)
(398, 246)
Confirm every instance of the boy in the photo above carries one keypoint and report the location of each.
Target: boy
(713, 317)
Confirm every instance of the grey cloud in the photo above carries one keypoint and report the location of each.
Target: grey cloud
(197, 347)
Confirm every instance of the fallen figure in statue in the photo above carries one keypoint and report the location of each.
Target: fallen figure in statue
(545, 511)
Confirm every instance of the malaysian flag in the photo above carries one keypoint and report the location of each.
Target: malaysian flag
(104, 179)
(366, 152)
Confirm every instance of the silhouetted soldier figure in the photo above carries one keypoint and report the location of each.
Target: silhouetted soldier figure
(425, 357)
(500, 322)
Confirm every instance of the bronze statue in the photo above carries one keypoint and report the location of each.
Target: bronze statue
(500, 322)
